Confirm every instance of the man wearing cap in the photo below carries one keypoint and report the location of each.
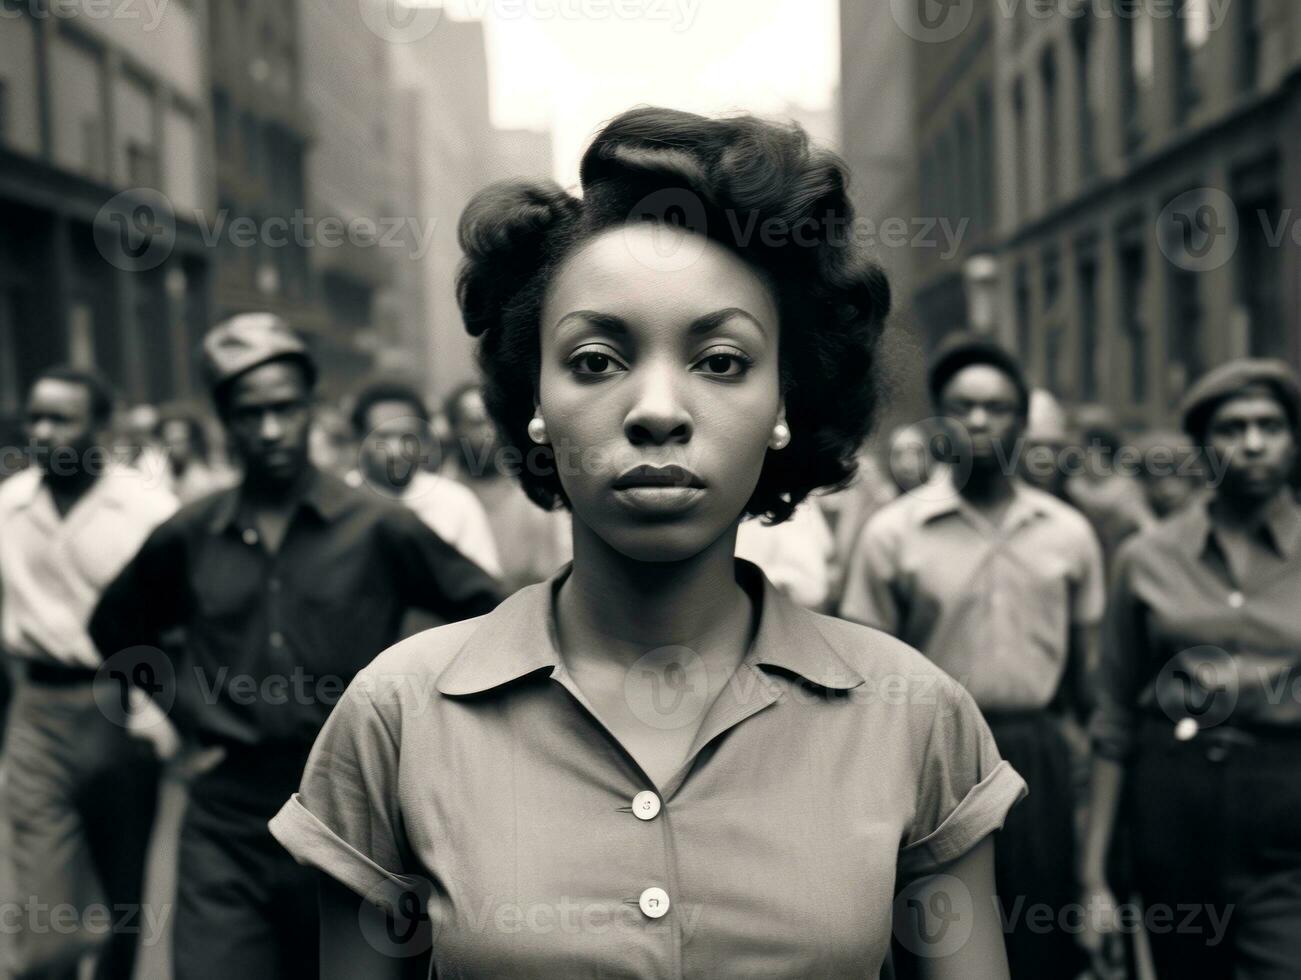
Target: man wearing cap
(81, 792)
(1199, 699)
(1001, 584)
(285, 586)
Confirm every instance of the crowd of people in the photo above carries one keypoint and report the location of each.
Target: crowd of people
(1121, 608)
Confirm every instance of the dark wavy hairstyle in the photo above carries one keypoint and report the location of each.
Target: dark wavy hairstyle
(757, 187)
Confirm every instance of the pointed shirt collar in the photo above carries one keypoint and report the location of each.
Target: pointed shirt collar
(519, 638)
(325, 495)
(1281, 523)
(939, 497)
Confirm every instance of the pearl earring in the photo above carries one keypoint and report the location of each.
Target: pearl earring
(538, 430)
(781, 436)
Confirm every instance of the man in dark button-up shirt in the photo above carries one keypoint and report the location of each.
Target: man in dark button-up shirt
(284, 587)
(1188, 633)
(1198, 715)
(271, 640)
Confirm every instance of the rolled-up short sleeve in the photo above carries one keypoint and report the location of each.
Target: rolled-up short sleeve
(966, 789)
(344, 820)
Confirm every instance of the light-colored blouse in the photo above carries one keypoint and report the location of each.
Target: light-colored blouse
(464, 766)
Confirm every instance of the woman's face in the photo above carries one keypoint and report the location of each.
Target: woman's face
(659, 387)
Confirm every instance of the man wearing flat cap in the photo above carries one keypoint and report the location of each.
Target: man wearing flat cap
(1199, 701)
(284, 586)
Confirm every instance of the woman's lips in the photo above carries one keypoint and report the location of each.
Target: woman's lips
(672, 476)
(664, 499)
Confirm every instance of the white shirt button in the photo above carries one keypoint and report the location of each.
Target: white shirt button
(277, 639)
(1186, 729)
(250, 536)
(1236, 599)
(654, 902)
(645, 805)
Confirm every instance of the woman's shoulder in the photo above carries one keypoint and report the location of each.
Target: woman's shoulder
(419, 660)
(884, 662)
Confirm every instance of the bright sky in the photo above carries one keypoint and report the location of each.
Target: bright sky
(567, 65)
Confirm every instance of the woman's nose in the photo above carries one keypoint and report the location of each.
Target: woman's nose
(658, 415)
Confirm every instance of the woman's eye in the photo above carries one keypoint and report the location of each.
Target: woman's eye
(724, 364)
(593, 362)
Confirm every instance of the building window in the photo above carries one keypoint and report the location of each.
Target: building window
(967, 179)
(77, 80)
(221, 124)
(1133, 281)
(252, 138)
(928, 183)
(1085, 93)
(1137, 60)
(141, 165)
(1048, 84)
(1194, 31)
(1260, 255)
(1052, 283)
(1021, 149)
(92, 147)
(1088, 326)
(1184, 361)
(1024, 328)
(985, 150)
(944, 162)
(1249, 33)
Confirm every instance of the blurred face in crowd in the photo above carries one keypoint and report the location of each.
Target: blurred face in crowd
(910, 458)
(394, 446)
(1252, 433)
(178, 442)
(268, 413)
(1167, 492)
(474, 432)
(60, 427)
(670, 370)
(983, 409)
(1041, 464)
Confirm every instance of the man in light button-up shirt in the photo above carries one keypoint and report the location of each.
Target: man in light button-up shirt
(82, 791)
(1001, 585)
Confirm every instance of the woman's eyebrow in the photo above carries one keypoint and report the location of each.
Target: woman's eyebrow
(712, 321)
(706, 323)
(605, 321)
